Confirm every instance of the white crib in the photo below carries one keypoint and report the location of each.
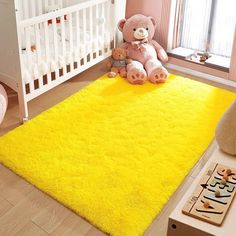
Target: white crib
(46, 42)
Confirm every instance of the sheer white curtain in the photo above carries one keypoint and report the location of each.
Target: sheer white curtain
(223, 27)
(195, 24)
(199, 33)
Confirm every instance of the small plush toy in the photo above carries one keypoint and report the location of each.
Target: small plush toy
(3, 103)
(138, 32)
(118, 63)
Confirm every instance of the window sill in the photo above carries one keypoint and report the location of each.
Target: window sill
(214, 62)
(205, 77)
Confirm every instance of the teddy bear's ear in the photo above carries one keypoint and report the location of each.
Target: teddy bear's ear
(121, 24)
(153, 21)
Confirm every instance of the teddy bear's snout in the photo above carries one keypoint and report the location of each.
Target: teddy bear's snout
(141, 33)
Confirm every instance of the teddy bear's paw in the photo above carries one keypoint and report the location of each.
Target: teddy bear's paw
(112, 74)
(136, 76)
(123, 74)
(158, 75)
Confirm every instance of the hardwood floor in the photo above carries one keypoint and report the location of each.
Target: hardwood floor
(25, 210)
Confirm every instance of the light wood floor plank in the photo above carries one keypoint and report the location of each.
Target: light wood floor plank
(95, 232)
(4, 206)
(73, 225)
(51, 217)
(31, 229)
(19, 216)
(13, 188)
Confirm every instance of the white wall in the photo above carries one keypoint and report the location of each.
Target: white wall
(9, 50)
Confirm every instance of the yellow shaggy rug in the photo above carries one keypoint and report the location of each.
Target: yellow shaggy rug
(114, 152)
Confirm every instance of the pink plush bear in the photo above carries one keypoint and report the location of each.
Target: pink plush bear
(3, 102)
(138, 32)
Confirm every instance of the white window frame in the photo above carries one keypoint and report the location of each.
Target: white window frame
(168, 20)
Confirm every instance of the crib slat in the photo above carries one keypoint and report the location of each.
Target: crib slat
(47, 48)
(29, 56)
(63, 37)
(84, 32)
(28, 45)
(21, 6)
(55, 42)
(63, 42)
(26, 9)
(78, 55)
(33, 8)
(71, 50)
(40, 7)
(112, 28)
(39, 54)
(38, 45)
(46, 41)
(103, 29)
(108, 26)
(97, 30)
(91, 33)
(45, 5)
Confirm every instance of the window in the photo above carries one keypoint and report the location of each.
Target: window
(206, 27)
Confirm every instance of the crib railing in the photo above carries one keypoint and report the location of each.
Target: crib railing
(32, 8)
(59, 45)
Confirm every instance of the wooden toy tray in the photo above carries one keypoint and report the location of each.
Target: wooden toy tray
(213, 195)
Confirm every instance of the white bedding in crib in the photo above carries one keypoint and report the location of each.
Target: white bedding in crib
(34, 68)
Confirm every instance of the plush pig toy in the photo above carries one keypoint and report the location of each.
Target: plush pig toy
(145, 52)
